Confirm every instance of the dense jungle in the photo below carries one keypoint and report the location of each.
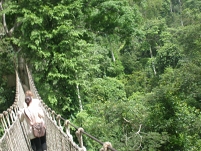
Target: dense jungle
(127, 71)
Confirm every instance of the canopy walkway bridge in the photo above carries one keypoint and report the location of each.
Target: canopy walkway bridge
(59, 137)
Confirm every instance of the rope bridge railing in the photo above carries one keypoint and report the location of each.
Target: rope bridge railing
(14, 137)
(63, 141)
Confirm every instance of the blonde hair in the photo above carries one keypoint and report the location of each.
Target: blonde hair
(28, 93)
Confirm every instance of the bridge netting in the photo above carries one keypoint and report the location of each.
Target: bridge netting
(59, 136)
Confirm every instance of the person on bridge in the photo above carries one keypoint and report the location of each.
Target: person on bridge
(33, 110)
(35, 102)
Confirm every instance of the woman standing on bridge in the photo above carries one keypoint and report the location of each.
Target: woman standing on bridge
(33, 113)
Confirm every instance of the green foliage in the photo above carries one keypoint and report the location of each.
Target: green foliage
(153, 141)
(130, 62)
(170, 114)
(105, 89)
(137, 82)
(7, 68)
(169, 53)
(152, 8)
(114, 17)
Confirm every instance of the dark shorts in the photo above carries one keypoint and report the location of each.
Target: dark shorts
(39, 143)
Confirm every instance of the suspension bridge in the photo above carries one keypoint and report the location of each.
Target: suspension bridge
(59, 130)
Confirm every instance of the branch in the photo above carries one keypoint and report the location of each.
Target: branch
(126, 120)
(13, 28)
(138, 133)
(9, 33)
(3, 17)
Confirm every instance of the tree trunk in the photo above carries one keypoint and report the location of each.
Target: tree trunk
(113, 57)
(79, 98)
(180, 7)
(170, 7)
(23, 73)
(153, 66)
(78, 94)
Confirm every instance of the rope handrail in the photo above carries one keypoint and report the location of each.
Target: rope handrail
(67, 122)
(51, 115)
(13, 138)
(92, 137)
